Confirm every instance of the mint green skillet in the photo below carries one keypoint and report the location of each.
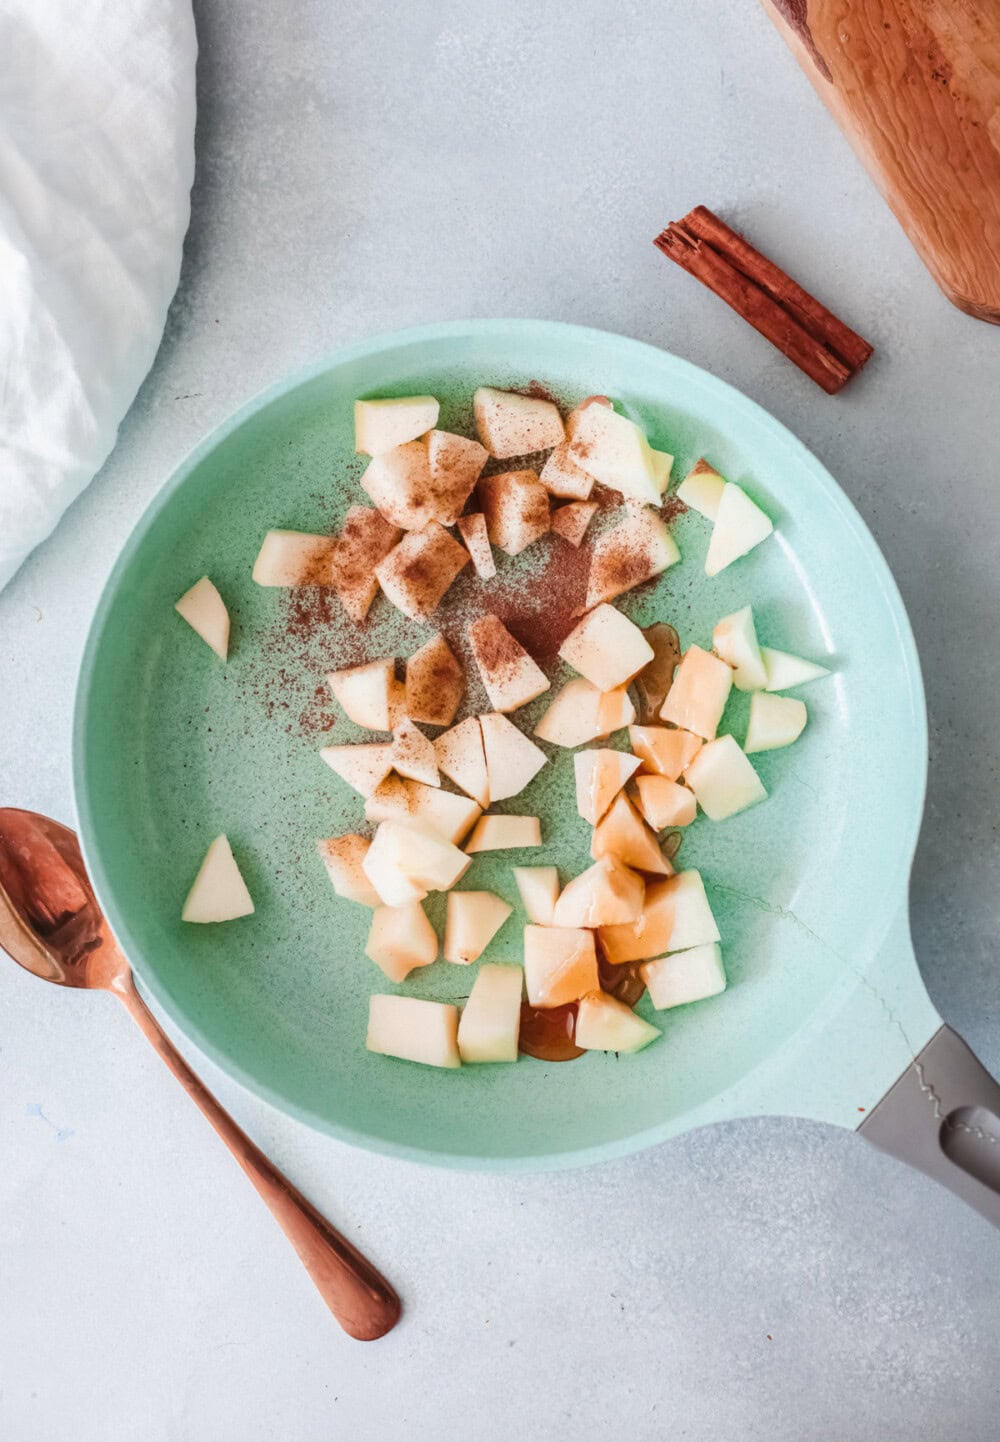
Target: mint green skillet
(825, 1016)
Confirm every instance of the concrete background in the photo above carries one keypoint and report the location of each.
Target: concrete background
(362, 168)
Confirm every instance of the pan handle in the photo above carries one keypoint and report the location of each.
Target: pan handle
(943, 1117)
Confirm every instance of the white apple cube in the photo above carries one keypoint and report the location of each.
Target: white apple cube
(631, 553)
(665, 803)
(419, 570)
(205, 612)
(491, 1018)
(606, 648)
(701, 489)
(775, 721)
(664, 751)
(735, 641)
(539, 889)
(603, 1023)
(472, 528)
(615, 451)
(509, 424)
(380, 426)
(363, 767)
(414, 1030)
(343, 857)
(740, 525)
(573, 716)
(364, 540)
(571, 521)
(675, 915)
(512, 760)
(365, 693)
(563, 479)
(408, 858)
(401, 939)
(622, 833)
(459, 754)
(509, 674)
(560, 964)
(455, 463)
(399, 483)
(614, 711)
(413, 754)
(685, 976)
(474, 918)
(504, 833)
(516, 507)
(606, 894)
(663, 464)
(396, 798)
(294, 558)
(785, 671)
(698, 696)
(600, 775)
(219, 892)
(723, 779)
(435, 684)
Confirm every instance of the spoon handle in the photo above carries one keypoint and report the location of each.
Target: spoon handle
(358, 1296)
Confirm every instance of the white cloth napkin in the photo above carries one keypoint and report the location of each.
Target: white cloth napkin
(97, 108)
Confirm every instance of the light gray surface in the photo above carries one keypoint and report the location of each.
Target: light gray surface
(363, 168)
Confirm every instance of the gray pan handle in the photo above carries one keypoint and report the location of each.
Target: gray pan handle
(943, 1117)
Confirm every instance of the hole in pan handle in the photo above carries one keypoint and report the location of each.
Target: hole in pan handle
(943, 1117)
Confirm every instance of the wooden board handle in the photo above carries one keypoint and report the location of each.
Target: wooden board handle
(915, 87)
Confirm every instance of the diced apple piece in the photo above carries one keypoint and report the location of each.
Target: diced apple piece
(637, 549)
(472, 529)
(622, 833)
(600, 775)
(205, 612)
(414, 1030)
(455, 463)
(491, 1018)
(775, 721)
(451, 816)
(365, 539)
(418, 571)
(740, 525)
(510, 676)
(293, 558)
(614, 711)
(572, 716)
(723, 780)
(606, 894)
(435, 683)
(615, 451)
(675, 915)
(664, 752)
(363, 767)
(343, 856)
(656, 677)
(785, 671)
(365, 693)
(685, 976)
(539, 888)
(606, 648)
(509, 424)
(408, 858)
(663, 464)
(380, 426)
(697, 699)
(474, 918)
(571, 521)
(219, 892)
(701, 489)
(504, 833)
(512, 760)
(459, 753)
(665, 803)
(399, 484)
(560, 964)
(563, 479)
(401, 939)
(735, 640)
(516, 507)
(605, 1024)
(413, 754)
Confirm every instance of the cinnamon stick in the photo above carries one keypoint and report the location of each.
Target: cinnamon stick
(819, 343)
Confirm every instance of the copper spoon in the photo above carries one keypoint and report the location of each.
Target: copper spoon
(52, 925)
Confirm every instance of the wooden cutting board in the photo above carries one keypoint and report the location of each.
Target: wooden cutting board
(915, 87)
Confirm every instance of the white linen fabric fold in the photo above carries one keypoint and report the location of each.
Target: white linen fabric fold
(97, 112)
